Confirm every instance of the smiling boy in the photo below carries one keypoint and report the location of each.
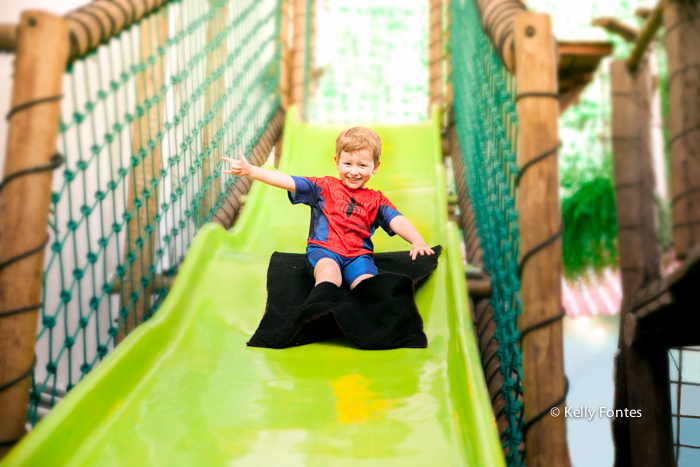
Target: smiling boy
(344, 212)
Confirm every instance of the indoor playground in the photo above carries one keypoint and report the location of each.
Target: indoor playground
(156, 309)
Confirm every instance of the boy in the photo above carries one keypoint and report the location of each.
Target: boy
(344, 213)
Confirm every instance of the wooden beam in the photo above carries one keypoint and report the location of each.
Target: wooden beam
(598, 49)
(435, 57)
(285, 55)
(139, 245)
(8, 37)
(40, 60)
(213, 149)
(448, 69)
(646, 35)
(616, 26)
(666, 312)
(642, 374)
(682, 25)
(571, 97)
(160, 281)
(298, 54)
(540, 221)
(480, 288)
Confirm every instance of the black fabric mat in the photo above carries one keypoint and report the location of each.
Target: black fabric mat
(380, 313)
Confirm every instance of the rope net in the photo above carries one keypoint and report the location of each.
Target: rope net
(486, 125)
(145, 119)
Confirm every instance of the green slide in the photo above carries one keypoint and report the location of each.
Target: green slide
(184, 389)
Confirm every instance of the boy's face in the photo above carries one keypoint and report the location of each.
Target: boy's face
(355, 168)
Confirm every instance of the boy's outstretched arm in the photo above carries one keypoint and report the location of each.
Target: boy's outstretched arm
(242, 168)
(408, 232)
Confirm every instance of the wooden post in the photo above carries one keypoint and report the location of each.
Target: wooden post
(153, 34)
(298, 52)
(682, 25)
(313, 73)
(435, 58)
(216, 58)
(285, 86)
(41, 57)
(642, 373)
(540, 220)
(448, 65)
(285, 57)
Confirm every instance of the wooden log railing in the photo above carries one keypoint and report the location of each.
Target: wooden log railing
(467, 221)
(498, 22)
(665, 312)
(544, 383)
(100, 20)
(41, 55)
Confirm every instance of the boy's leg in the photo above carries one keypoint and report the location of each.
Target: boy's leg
(327, 270)
(360, 279)
(324, 265)
(358, 269)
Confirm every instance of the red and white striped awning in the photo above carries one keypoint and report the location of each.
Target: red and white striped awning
(594, 296)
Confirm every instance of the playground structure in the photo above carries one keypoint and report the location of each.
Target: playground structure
(154, 94)
(657, 312)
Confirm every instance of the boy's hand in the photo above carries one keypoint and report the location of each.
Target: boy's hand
(239, 167)
(420, 248)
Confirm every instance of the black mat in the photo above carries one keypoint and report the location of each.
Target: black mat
(380, 313)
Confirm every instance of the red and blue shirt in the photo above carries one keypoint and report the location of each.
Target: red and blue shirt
(343, 219)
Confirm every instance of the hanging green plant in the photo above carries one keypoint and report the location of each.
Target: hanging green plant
(590, 227)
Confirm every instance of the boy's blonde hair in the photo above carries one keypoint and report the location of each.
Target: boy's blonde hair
(359, 139)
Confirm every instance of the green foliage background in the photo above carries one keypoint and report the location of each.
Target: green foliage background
(373, 60)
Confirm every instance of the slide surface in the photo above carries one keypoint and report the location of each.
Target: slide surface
(184, 389)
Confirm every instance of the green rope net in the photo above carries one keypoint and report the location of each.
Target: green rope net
(149, 112)
(486, 124)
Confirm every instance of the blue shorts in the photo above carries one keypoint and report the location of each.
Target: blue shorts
(350, 268)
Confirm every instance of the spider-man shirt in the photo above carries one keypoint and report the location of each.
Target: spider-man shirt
(343, 219)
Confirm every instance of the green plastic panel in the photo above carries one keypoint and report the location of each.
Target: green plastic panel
(184, 389)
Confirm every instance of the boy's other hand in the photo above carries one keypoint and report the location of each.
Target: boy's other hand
(420, 248)
(240, 166)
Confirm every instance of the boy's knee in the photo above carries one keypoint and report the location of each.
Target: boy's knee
(327, 270)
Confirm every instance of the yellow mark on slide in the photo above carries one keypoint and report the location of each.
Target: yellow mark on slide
(356, 403)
